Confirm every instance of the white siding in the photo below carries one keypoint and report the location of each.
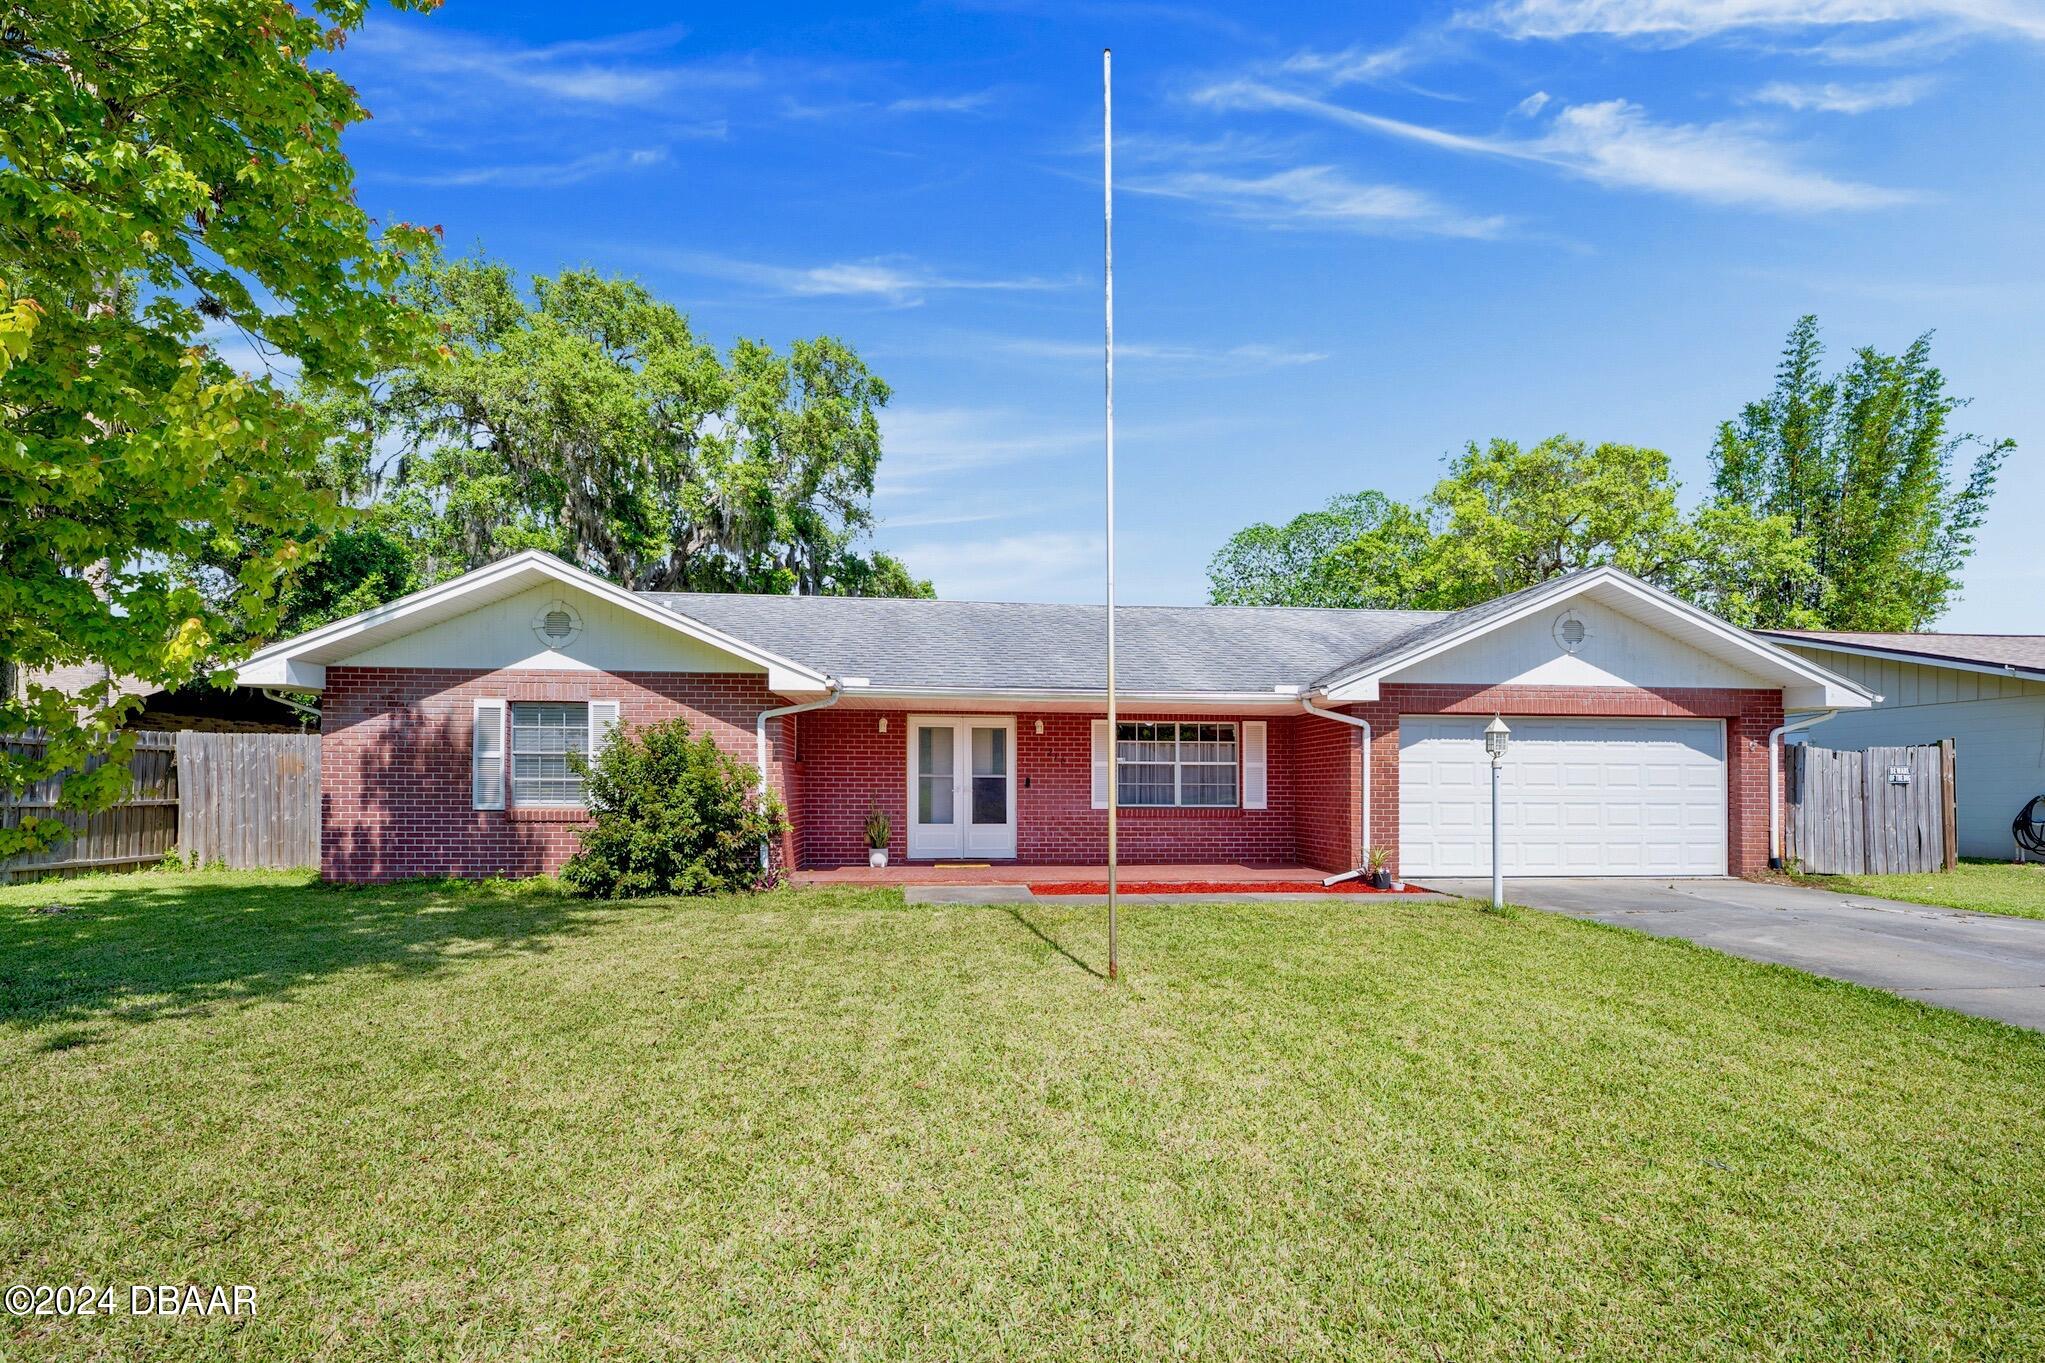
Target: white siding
(1997, 725)
(500, 635)
(1617, 650)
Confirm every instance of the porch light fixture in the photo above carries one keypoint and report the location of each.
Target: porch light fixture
(1040, 726)
(1496, 737)
(883, 724)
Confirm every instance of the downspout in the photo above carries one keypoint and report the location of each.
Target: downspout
(271, 693)
(1775, 784)
(1356, 722)
(831, 696)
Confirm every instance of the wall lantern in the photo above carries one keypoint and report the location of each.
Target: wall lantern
(883, 724)
(1496, 736)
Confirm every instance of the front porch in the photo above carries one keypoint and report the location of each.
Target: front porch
(1010, 873)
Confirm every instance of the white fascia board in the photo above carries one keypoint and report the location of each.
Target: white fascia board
(1744, 647)
(329, 642)
(1892, 655)
(287, 672)
(1243, 700)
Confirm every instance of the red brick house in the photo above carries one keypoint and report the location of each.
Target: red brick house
(1642, 726)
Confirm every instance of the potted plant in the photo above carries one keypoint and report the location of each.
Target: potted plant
(1378, 862)
(877, 830)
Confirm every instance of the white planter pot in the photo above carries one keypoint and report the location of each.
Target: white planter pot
(877, 856)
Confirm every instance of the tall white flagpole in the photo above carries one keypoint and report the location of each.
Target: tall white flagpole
(1108, 278)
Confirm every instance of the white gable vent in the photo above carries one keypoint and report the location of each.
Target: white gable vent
(1570, 632)
(557, 624)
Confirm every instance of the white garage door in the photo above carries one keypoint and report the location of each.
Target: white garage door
(1578, 797)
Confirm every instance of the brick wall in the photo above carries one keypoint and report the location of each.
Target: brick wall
(846, 765)
(395, 773)
(394, 763)
(1750, 716)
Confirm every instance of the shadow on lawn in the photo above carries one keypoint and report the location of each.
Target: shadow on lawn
(135, 949)
(1052, 943)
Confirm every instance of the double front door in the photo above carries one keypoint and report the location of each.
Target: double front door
(961, 786)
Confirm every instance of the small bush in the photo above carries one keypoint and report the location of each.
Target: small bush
(674, 814)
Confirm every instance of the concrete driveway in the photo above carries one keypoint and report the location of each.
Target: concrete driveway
(1973, 962)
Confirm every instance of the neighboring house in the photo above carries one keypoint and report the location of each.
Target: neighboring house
(201, 706)
(1986, 692)
(1641, 725)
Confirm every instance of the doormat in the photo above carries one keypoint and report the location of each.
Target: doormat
(1213, 887)
(961, 866)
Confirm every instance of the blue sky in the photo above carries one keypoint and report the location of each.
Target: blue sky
(1348, 238)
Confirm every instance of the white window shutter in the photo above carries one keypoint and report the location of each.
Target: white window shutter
(1255, 782)
(486, 755)
(603, 717)
(1101, 751)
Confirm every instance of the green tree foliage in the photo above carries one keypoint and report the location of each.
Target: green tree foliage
(170, 173)
(589, 420)
(672, 814)
(1360, 550)
(1861, 465)
(364, 565)
(1507, 517)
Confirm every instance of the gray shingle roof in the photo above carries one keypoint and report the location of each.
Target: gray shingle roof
(1003, 646)
(2026, 652)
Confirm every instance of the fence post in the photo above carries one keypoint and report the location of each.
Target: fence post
(1949, 798)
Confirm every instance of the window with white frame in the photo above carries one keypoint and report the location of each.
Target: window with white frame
(1175, 764)
(543, 736)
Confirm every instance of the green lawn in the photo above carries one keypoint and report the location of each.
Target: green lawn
(2006, 887)
(496, 1123)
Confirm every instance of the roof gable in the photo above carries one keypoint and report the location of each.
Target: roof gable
(1805, 684)
(301, 662)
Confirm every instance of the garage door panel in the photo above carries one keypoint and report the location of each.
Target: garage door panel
(1578, 797)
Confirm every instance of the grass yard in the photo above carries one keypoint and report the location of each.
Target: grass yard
(497, 1123)
(2006, 887)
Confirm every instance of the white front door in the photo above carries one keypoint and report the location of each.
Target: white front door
(1578, 797)
(961, 786)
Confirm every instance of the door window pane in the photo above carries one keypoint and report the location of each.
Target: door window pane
(990, 775)
(934, 774)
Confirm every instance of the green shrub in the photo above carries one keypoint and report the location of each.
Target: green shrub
(674, 814)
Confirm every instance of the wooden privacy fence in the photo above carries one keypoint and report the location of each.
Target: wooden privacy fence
(249, 799)
(241, 800)
(136, 832)
(1874, 812)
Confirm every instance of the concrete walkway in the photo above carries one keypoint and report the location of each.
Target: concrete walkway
(1974, 962)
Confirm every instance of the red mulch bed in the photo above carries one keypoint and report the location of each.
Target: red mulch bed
(1211, 887)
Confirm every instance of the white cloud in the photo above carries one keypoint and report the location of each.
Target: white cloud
(1679, 21)
(546, 174)
(1318, 196)
(1354, 65)
(920, 444)
(625, 71)
(1051, 565)
(1835, 98)
(1613, 143)
(972, 102)
(1220, 359)
(890, 279)
(1531, 105)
